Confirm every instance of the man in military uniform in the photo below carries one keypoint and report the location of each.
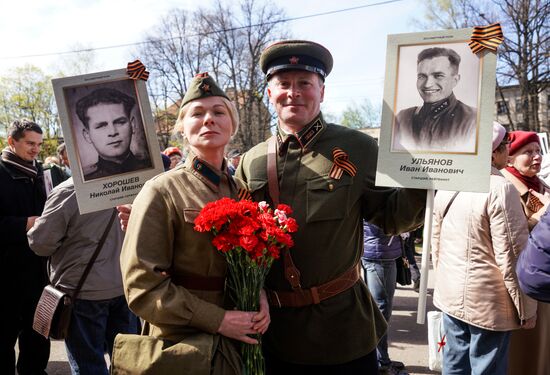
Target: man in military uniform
(109, 125)
(443, 123)
(324, 320)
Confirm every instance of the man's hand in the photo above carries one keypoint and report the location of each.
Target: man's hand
(124, 215)
(30, 222)
(262, 319)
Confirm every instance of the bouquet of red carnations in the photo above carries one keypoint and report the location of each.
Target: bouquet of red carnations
(250, 235)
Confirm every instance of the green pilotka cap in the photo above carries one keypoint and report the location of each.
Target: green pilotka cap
(202, 86)
(296, 55)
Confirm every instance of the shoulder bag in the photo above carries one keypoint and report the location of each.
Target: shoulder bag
(53, 311)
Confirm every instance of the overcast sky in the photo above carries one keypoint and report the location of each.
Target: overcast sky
(356, 38)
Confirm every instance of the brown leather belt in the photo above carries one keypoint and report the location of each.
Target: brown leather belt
(303, 297)
(196, 282)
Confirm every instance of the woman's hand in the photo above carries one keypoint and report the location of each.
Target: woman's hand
(262, 319)
(529, 323)
(237, 325)
(124, 215)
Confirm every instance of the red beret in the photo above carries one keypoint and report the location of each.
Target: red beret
(171, 151)
(520, 138)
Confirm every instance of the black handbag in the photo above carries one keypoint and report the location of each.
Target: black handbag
(53, 311)
(403, 268)
(403, 271)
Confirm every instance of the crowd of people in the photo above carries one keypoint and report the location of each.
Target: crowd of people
(317, 315)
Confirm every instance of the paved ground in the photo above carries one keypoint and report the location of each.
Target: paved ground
(408, 340)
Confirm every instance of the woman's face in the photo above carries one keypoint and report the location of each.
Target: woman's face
(527, 159)
(207, 124)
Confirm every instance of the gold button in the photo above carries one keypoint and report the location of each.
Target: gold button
(330, 187)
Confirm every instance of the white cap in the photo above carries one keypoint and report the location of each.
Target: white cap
(498, 134)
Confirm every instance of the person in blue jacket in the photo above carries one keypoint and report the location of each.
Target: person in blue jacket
(378, 261)
(533, 266)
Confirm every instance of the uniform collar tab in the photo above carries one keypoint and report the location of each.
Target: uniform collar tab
(305, 137)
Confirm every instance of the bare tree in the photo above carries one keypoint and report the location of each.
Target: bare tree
(227, 42)
(523, 56)
(83, 61)
(525, 53)
(240, 36)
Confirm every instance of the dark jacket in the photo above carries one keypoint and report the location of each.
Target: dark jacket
(20, 198)
(378, 246)
(105, 168)
(330, 212)
(533, 267)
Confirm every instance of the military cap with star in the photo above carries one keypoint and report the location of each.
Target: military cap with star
(296, 55)
(202, 86)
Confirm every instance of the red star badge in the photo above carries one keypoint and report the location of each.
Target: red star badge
(294, 60)
(205, 87)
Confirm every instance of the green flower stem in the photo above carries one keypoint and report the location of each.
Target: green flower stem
(245, 281)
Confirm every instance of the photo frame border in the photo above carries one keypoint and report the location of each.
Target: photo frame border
(103, 193)
(452, 171)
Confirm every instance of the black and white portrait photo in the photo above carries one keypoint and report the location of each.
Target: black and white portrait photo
(108, 129)
(436, 102)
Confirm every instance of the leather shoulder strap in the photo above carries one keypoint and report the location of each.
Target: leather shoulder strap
(272, 179)
(292, 274)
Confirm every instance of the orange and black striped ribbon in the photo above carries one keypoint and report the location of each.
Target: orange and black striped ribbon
(136, 70)
(341, 164)
(486, 37)
(244, 195)
(533, 203)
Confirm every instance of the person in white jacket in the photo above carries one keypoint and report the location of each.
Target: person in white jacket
(476, 240)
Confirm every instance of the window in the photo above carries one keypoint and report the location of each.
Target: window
(502, 107)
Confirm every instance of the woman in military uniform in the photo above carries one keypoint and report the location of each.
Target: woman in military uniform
(173, 276)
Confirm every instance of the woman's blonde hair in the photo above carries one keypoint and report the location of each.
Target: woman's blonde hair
(178, 128)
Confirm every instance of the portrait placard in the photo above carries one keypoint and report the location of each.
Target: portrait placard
(110, 136)
(437, 113)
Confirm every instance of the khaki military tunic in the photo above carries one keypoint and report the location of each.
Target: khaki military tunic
(329, 240)
(160, 241)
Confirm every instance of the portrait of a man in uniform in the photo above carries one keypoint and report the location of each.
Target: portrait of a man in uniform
(443, 123)
(109, 123)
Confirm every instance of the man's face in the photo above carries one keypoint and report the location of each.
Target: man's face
(174, 160)
(297, 96)
(109, 130)
(235, 161)
(436, 79)
(28, 147)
